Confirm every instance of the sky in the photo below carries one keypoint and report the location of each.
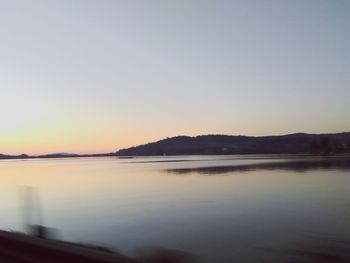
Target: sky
(97, 76)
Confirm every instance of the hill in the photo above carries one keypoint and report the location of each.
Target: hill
(6, 156)
(58, 155)
(297, 143)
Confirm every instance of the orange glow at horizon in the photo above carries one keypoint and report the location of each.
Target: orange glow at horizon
(94, 132)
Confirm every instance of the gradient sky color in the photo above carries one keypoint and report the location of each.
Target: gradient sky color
(96, 76)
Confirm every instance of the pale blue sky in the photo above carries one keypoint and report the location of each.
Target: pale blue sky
(87, 76)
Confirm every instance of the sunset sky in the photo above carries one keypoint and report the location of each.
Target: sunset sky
(97, 76)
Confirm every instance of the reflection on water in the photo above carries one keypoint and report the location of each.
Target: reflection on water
(339, 163)
(272, 208)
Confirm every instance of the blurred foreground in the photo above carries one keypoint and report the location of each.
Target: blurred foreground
(20, 248)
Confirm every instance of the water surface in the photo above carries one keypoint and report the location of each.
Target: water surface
(220, 208)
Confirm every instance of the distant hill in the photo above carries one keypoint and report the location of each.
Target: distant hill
(58, 155)
(5, 156)
(54, 155)
(297, 143)
(25, 156)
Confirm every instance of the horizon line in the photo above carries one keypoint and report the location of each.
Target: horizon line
(193, 136)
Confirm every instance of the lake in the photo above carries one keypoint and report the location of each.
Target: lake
(260, 208)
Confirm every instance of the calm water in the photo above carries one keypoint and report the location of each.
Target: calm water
(220, 208)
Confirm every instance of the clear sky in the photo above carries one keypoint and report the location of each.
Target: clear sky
(97, 76)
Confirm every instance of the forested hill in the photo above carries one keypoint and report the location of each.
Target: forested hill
(298, 143)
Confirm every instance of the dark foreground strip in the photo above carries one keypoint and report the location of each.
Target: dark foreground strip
(22, 248)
